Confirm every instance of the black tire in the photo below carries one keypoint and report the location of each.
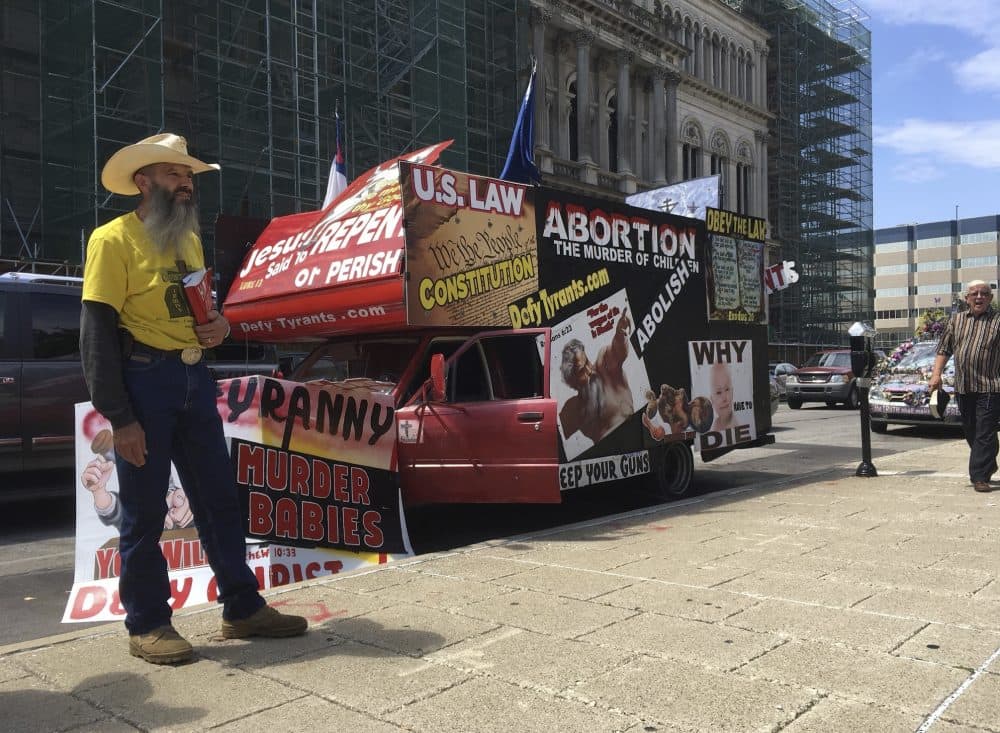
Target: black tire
(879, 426)
(794, 403)
(853, 400)
(673, 467)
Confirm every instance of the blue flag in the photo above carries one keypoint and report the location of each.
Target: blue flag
(520, 165)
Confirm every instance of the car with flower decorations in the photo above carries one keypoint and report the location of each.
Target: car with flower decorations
(899, 394)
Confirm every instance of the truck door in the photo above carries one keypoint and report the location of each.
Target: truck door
(493, 438)
(10, 385)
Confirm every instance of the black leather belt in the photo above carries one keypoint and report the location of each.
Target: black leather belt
(190, 356)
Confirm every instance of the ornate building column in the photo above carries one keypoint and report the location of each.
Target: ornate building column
(760, 184)
(699, 53)
(762, 78)
(559, 138)
(539, 19)
(659, 126)
(584, 128)
(671, 80)
(624, 111)
(724, 71)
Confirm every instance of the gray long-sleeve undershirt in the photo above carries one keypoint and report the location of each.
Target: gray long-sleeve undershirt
(101, 355)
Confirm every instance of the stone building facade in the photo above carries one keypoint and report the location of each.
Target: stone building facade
(642, 94)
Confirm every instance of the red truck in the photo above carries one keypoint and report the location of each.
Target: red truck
(533, 340)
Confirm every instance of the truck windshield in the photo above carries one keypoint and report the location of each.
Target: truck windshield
(829, 359)
(383, 359)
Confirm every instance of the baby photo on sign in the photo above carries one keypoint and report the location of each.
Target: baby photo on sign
(722, 378)
(598, 381)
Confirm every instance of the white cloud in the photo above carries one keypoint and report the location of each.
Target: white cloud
(977, 17)
(944, 144)
(916, 172)
(980, 73)
(918, 60)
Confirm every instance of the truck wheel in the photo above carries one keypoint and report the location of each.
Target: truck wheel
(794, 402)
(879, 426)
(673, 467)
(852, 401)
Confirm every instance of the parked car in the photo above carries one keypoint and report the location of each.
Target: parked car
(900, 396)
(40, 373)
(825, 377)
(780, 371)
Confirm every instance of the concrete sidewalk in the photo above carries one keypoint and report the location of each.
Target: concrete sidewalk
(830, 604)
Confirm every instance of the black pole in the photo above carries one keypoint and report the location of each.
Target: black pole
(866, 469)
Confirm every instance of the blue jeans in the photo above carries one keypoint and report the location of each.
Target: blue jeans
(980, 412)
(175, 404)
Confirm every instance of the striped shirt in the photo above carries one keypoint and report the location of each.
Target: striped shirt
(975, 343)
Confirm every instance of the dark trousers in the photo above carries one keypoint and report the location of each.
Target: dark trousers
(980, 412)
(175, 405)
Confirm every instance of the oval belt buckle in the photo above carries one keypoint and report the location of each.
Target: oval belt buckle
(191, 355)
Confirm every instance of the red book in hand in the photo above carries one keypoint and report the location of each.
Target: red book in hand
(198, 291)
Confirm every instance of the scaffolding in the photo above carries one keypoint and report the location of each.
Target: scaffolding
(252, 84)
(819, 163)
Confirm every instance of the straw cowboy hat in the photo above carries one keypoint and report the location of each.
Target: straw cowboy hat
(163, 148)
(938, 403)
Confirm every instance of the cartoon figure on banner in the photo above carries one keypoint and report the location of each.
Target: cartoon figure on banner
(667, 414)
(99, 471)
(722, 377)
(597, 394)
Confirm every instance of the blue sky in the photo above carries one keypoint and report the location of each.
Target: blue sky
(935, 109)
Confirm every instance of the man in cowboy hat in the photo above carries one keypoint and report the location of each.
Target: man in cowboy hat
(141, 353)
(973, 337)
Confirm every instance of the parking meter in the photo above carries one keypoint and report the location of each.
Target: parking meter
(862, 364)
(862, 357)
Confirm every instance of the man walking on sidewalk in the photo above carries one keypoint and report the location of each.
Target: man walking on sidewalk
(142, 358)
(973, 337)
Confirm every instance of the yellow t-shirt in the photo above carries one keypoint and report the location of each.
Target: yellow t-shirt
(125, 271)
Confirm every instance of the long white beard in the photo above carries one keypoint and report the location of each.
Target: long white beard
(168, 220)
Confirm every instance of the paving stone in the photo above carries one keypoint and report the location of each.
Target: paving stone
(713, 645)
(837, 625)
(937, 579)
(30, 705)
(173, 699)
(786, 587)
(302, 714)
(982, 613)
(677, 600)
(673, 569)
(951, 645)
(363, 677)
(411, 629)
(696, 699)
(532, 660)
(488, 705)
(835, 714)
(546, 614)
(867, 677)
(471, 565)
(579, 584)
(438, 591)
(581, 559)
(977, 705)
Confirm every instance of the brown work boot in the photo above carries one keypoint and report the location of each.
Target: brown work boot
(266, 622)
(160, 646)
(982, 486)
